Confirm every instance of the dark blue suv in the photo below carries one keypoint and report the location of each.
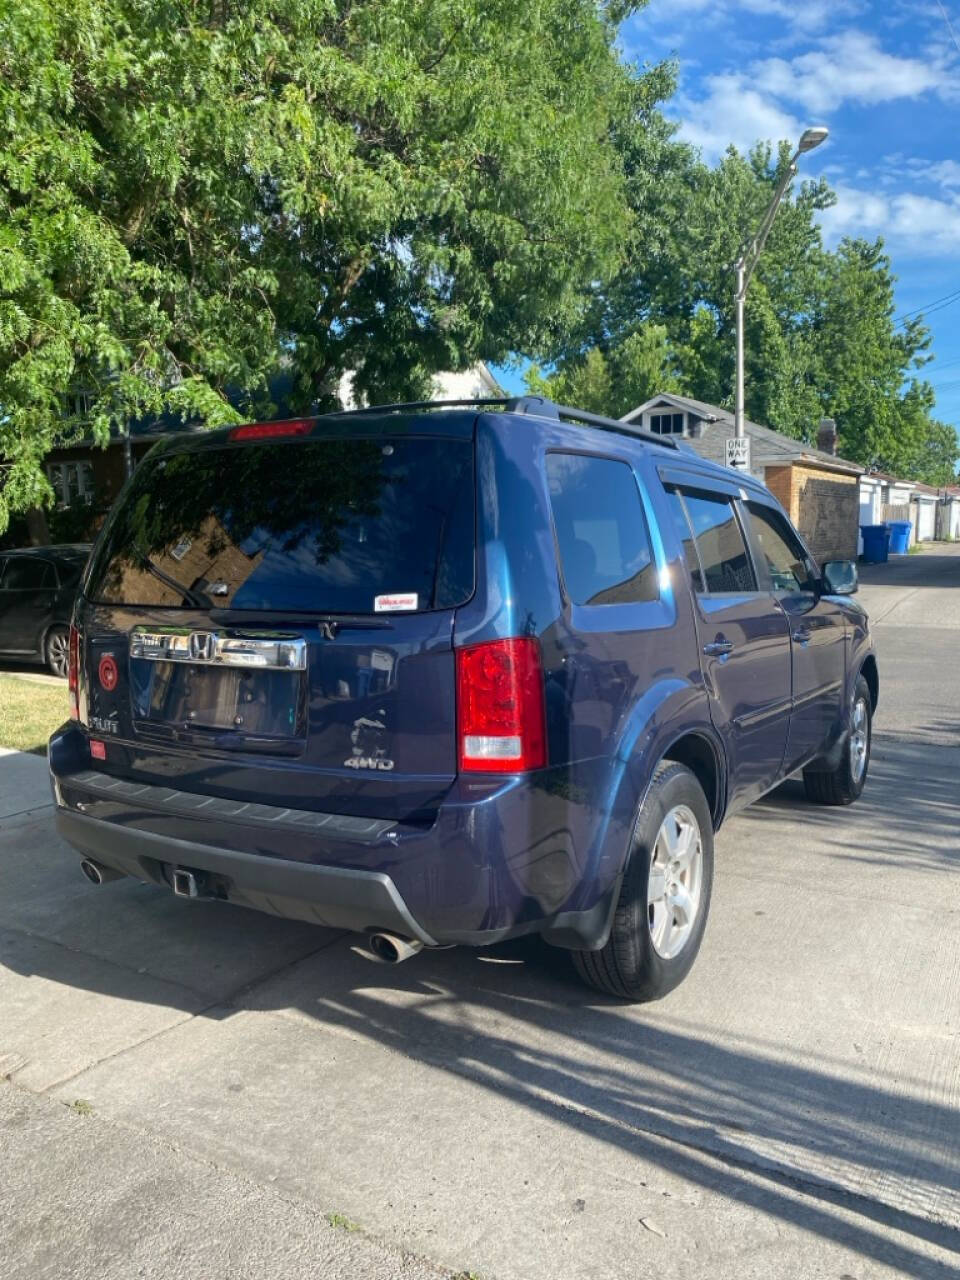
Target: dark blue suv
(451, 676)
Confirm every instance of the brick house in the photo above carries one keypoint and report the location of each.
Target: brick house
(820, 491)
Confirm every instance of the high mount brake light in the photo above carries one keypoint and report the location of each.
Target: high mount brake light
(270, 430)
(500, 707)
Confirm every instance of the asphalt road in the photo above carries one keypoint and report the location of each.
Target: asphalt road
(198, 1091)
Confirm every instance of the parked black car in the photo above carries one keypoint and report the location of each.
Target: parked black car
(38, 586)
(452, 676)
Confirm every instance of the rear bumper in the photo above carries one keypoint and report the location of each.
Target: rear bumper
(337, 897)
(500, 858)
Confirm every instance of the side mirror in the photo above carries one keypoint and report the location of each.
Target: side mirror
(839, 578)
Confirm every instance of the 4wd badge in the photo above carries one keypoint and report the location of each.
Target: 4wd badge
(369, 745)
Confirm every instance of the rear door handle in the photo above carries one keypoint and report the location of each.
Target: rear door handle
(802, 635)
(718, 648)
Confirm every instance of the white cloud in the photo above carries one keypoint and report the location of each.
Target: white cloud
(910, 223)
(814, 15)
(733, 111)
(765, 101)
(850, 67)
(945, 173)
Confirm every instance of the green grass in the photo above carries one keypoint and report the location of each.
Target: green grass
(30, 710)
(342, 1221)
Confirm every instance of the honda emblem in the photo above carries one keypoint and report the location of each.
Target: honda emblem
(203, 646)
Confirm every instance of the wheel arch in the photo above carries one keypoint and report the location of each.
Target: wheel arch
(868, 669)
(704, 758)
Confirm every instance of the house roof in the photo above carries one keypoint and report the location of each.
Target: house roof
(771, 449)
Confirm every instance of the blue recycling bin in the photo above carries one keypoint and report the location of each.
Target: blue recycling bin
(900, 537)
(876, 540)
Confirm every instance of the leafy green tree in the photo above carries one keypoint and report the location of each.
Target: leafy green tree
(821, 336)
(194, 194)
(613, 383)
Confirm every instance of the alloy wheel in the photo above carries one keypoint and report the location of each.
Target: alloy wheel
(859, 740)
(675, 881)
(58, 652)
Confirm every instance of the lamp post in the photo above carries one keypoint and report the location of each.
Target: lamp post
(749, 255)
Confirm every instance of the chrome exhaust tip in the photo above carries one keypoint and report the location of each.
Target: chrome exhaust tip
(97, 873)
(392, 949)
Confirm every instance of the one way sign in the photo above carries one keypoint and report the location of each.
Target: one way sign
(738, 453)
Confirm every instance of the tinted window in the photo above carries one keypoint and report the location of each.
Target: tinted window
(723, 555)
(601, 532)
(313, 526)
(781, 549)
(682, 526)
(24, 573)
(69, 572)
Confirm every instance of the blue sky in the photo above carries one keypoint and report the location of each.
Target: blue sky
(885, 78)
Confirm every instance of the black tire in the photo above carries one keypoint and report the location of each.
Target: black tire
(56, 651)
(845, 783)
(630, 965)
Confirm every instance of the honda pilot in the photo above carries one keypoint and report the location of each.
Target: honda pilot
(453, 675)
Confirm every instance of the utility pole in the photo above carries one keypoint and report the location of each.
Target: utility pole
(740, 455)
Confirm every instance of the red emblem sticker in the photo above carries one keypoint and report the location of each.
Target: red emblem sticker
(108, 673)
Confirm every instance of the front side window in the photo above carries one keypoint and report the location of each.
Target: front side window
(722, 551)
(783, 555)
(602, 536)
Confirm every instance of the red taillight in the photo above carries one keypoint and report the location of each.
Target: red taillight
(267, 430)
(500, 716)
(73, 673)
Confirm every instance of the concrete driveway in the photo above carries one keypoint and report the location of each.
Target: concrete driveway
(199, 1091)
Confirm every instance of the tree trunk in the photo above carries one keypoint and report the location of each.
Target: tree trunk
(37, 527)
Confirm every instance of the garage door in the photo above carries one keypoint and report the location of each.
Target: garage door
(926, 514)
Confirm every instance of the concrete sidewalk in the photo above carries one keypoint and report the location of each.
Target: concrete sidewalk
(792, 1110)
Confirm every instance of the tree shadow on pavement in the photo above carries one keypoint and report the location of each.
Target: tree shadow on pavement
(868, 1164)
(621, 1076)
(908, 814)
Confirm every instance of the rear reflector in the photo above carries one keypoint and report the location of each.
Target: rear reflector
(98, 750)
(269, 430)
(73, 673)
(500, 710)
(108, 672)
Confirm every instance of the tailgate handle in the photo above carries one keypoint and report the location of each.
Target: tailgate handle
(261, 650)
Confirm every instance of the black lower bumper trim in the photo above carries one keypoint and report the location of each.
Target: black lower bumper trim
(337, 897)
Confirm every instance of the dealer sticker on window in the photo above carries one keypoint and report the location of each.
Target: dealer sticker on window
(394, 603)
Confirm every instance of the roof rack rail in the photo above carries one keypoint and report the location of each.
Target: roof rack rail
(538, 406)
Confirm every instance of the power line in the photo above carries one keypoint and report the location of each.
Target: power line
(946, 18)
(937, 304)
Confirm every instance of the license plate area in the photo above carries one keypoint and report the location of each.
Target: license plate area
(250, 684)
(268, 703)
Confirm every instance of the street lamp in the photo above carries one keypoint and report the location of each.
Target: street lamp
(748, 256)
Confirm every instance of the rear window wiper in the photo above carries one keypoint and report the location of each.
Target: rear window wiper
(195, 598)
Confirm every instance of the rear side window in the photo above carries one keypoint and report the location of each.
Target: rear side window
(605, 551)
(69, 572)
(720, 546)
(23, 573)
(316, 525)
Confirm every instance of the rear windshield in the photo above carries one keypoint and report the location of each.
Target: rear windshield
(332, 526)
